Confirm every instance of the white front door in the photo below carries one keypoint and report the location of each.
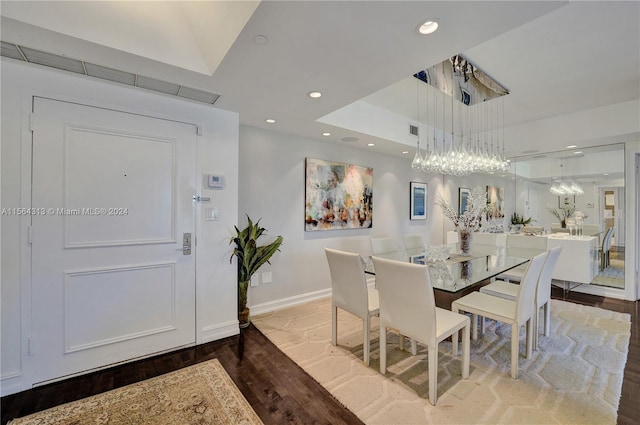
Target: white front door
(112, 204)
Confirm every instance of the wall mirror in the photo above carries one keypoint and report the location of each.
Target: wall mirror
(587, 181)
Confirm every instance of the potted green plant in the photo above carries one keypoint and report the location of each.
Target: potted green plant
(518, 221)
(250, 258)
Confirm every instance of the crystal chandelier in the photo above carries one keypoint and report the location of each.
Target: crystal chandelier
(478, 146)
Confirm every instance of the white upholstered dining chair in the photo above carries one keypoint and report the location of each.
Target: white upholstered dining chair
(383, 245)
(407, 306)
(606, 249)
(350, 292)
(521, 246)
(412, 241)
(542, 298)
(516, 313)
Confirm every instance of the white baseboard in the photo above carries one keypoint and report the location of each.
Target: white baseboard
(289, 302)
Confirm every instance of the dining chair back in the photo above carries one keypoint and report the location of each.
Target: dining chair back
(383, 245)
(407, 306)
(523, 246)
(516, 312)
(483, 243)
(543, 293)
(484, 239)
(528, 286)
(503, 289)
(606, 248)
(350, 292)
(412, 241)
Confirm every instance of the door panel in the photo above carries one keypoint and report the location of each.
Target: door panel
(142, 180)
(109, 281)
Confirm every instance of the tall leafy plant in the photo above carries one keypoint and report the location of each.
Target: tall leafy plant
(250, 257)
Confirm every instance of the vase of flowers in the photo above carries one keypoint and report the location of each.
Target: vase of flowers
(469, 220)
(563, 213)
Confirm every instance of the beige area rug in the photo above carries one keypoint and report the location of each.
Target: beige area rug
(199, 394)
(612, 276)
(574, 378)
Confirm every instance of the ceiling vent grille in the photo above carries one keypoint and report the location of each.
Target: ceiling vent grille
(413, 129)
(64, 63)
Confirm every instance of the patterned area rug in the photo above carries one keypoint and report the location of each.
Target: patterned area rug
(199, 394)
(612, 276)
(575, 377)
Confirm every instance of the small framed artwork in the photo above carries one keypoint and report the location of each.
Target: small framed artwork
(566, 201)
(465, 97)
(463, 199)
(418, 201)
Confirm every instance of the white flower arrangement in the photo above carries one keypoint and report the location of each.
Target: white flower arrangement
(471, 218)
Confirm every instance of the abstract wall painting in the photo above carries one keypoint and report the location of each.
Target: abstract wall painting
(495, 203)
(337, 195)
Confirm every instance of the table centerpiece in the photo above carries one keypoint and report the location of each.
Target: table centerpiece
(469, 220)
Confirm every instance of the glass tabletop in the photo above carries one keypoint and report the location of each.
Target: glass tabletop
(458, 272)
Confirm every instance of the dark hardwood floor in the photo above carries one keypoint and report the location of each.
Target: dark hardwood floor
(280, 391)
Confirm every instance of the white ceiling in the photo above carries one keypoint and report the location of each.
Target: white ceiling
(572, 68)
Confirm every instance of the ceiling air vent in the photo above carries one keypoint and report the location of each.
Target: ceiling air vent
(11, 51)
(199, 95)
(14, 51)
(110, 74)
(157, 85)
(413, 129)
(54, 61)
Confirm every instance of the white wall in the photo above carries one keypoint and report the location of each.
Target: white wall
(217, 153)
(272, 188)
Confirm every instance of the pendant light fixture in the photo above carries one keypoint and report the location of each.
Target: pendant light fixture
(483, 153)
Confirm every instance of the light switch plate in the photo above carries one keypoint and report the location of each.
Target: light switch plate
(212, 214)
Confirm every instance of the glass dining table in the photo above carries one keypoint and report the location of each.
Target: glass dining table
(459, 275)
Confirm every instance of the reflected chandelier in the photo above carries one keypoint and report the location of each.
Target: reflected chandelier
(564, 187)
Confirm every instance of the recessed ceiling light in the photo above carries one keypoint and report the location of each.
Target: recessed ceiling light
(314, 94)
(429, 27)
(326, 133)
(577, 152)
(605, 174)
(260, 39)
(270, 121)
(371, 144)
(405, 152)
(572, 146)
(349, 139)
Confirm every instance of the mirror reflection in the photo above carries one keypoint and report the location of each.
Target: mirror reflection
(577, 193)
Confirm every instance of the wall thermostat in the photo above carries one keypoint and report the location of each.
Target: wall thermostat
(215, 181)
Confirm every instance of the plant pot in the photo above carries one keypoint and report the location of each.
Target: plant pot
(244, 317)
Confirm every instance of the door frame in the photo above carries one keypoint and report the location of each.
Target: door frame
(25, 377)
